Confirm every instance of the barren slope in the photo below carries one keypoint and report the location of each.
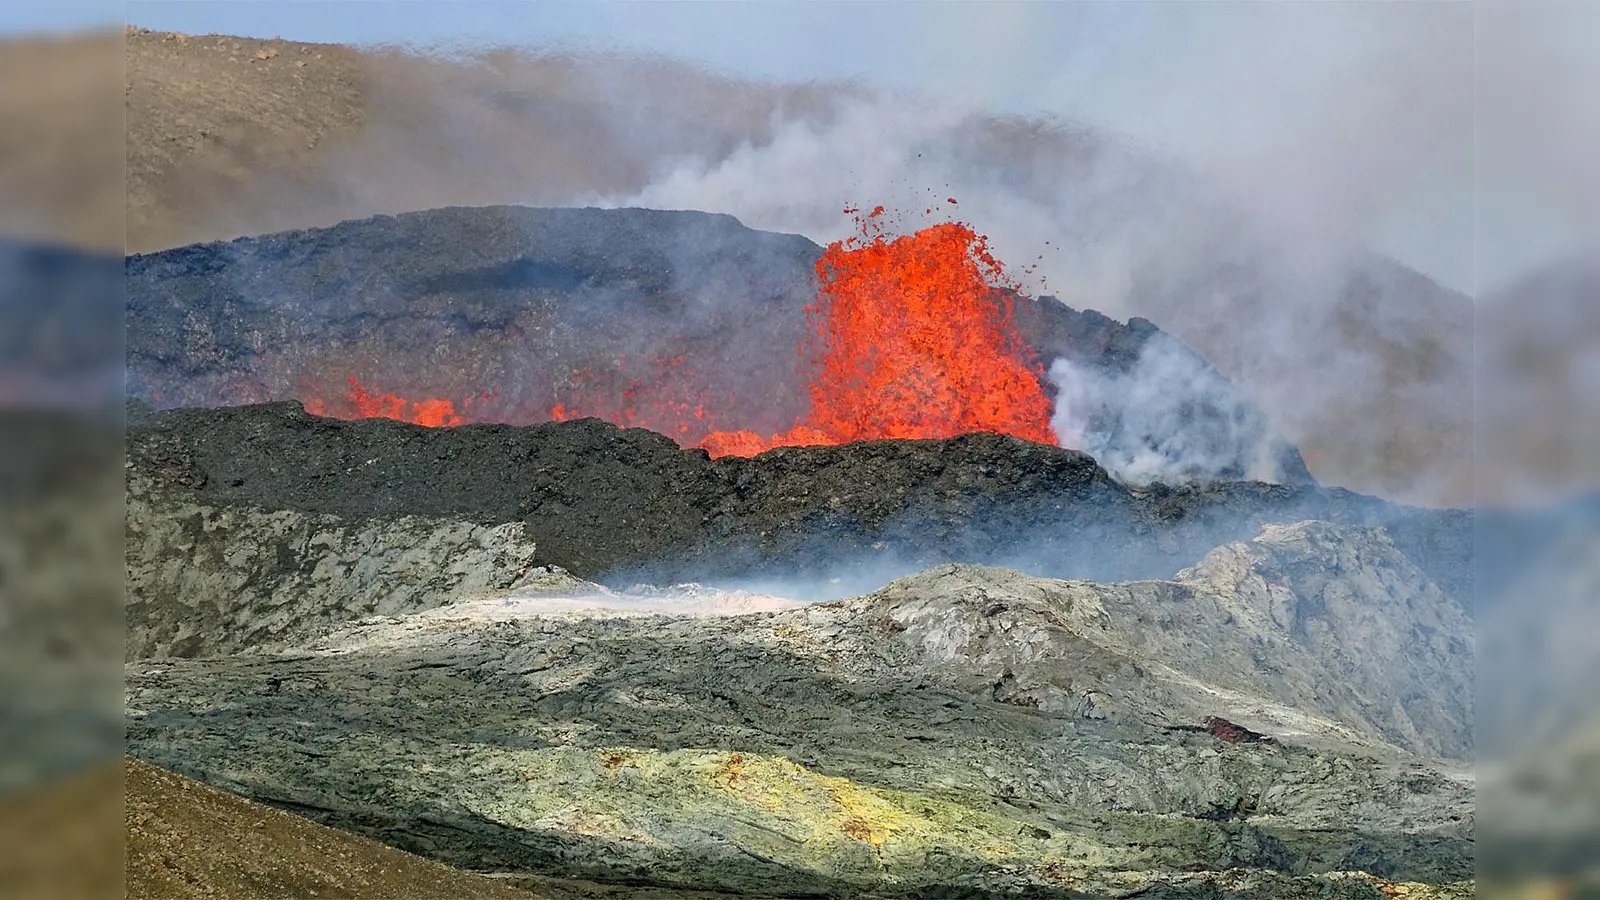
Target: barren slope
(212, 121)
(229, 136)
(60, 155)
(190, 840)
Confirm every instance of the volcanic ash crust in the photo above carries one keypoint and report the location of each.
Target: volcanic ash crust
(967, 729)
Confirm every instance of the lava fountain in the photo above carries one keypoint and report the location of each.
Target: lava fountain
(911, 337)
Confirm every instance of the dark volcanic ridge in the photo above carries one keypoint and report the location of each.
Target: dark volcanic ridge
(627, 505)
(536, 307)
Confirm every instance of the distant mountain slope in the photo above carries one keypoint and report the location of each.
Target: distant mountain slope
(61, 155)
(1539, 396)
(1369, 371)
(229, 136)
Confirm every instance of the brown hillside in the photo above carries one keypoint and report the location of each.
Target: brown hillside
(230, 136)
(187, 839)
(60, 159)
(212, 119)
(63, 840)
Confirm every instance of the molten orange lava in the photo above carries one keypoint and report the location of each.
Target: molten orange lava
(912, 337)
(434, 413)
(649, 401)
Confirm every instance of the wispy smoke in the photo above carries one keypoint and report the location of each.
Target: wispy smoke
(1539, 190)
(1171, 419)
(1048, 194)
(1323, 337)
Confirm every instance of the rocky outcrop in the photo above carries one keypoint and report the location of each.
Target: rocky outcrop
(61, 592)
(1311, 629)
(965, 732)
(205, 580)
(626, 505)
(1538, 714)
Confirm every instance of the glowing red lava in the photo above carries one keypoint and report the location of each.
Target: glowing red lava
(912, 338)
(364, 405)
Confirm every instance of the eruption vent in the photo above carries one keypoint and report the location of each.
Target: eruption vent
(911, 337)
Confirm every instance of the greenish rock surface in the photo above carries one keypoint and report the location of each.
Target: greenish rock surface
(966, 731)
(207, 580)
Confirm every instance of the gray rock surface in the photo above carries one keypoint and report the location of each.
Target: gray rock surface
(205, 580)
(1538, 711)
(60, 595)
(1309, 629)
(964, 732)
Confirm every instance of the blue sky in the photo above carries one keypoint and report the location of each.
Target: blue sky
(47, 17)
(1363, 106)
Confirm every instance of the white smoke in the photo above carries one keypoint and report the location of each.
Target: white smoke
(799, 180)
(1072, 213)
(1171, 418)
(1103, 224)
(1064, 207)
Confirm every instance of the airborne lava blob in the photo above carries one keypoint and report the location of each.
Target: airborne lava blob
(911, 337)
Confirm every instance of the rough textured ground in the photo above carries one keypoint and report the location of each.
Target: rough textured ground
(1542, 810)
(964, 727)
(625, 314)
(963, 732)
(1540, 757)
(61, 714)
(224, 579)
(189, 840)
(627, 505)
